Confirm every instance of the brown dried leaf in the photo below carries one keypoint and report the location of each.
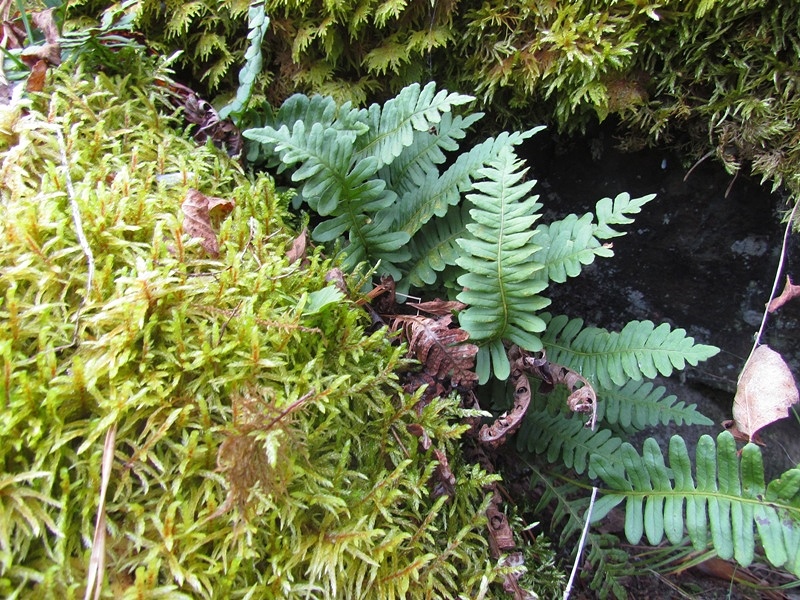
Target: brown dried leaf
(298, 249)
(47, 52)
(582, 396)
(765, 392)
(438, 307)
(45, 22)
(197, 220)
(440, 348)
(37, 77)
(789, 291)
(506, 424)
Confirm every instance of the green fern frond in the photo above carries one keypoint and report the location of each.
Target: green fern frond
(613, 212)
(420, 160)
(638, 404)
(392, 127)
(438, 193)
(257, 23)
(436, 247)
(573, 242)
(727, 496)
(566, 440)
(612, 358)
(567, 245)
(500, 289)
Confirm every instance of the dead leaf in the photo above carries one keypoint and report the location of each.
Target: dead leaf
(220, 207)
(47, 52)
(789, 291)
(197, 209)
(582, 397)
(37, 77)
(45, 22)
(440, 348)
(506, 424)
(438, 307)
(765, 392)
(298, 249)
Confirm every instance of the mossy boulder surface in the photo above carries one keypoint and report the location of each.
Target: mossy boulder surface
(261, 446)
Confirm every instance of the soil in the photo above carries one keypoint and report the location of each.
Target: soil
(702, 256)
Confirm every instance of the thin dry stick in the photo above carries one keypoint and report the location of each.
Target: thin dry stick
(775, 285)
(97, 562)
(76, 218)
(581, 544)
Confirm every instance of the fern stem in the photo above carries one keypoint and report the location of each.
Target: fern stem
(581, 544)
(775, 284)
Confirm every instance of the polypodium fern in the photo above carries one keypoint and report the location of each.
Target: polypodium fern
(612, 358)
(502, 295)
(727, 496)
(569, 244)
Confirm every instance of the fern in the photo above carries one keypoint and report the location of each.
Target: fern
(640, 350)
(500, 291)
(392, 127)
(573, 242)
(258, 21)
(567, 441)
(727, 496)
(375, 172)
(638, 404)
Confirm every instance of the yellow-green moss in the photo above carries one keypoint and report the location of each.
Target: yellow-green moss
(262, 448)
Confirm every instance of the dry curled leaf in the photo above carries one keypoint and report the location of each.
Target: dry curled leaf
(789, 291)
(298, 249)
(765, 392)
(37, 77)
(46, 23)
(440, 348)
(197, 209)
(438, 307)
(506, 424)
(582, 397)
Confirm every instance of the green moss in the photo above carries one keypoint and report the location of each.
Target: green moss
(261, 447)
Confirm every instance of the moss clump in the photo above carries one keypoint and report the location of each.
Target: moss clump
(261, 444)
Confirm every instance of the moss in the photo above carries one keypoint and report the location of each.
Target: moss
(262, 446)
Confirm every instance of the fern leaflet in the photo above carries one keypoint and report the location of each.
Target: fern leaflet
(638, 404)
(500, 289)
(573, 242)
(567, 441)
(391, 128)
(729, 497)
(611, 358)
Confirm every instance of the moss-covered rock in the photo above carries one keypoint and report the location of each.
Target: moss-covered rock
(261, 447)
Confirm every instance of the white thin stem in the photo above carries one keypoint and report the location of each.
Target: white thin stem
(775, 284)
(97, 562)
(581, 544)
(76, 218)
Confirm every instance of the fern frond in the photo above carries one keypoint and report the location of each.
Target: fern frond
(611, 358)
(438, 193)
(573, 242)
(613, 212)
(729, 498)
(257, 23)
(436, 247)
(499, 286)
(566, 440)
(414, 109)
(566, 246)
(639, 404)
(420, 160)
